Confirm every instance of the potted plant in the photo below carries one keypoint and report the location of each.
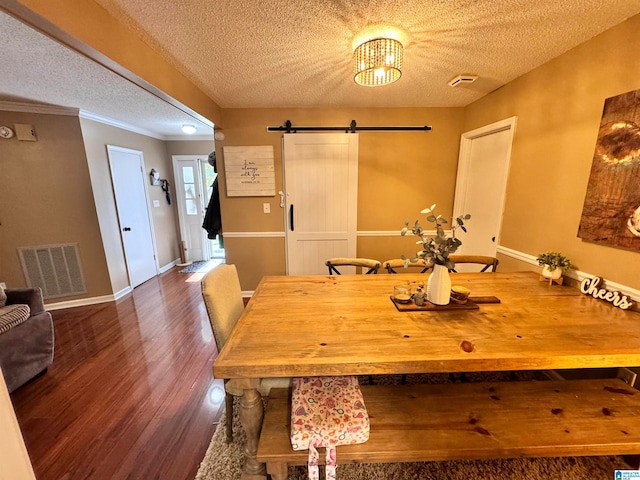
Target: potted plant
(553, 264)
(436, 250)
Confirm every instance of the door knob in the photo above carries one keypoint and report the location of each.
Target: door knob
(126, 229)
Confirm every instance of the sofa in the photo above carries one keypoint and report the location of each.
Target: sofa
(26, 336)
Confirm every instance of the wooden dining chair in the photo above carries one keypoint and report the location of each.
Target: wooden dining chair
(371, 265)
(396, 265)
(222, 297)
(486, 263)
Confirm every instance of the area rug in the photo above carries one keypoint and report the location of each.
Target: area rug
(201, 266)
(224, 461)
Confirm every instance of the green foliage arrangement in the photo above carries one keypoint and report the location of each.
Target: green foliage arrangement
(436, 250)
(554, 260)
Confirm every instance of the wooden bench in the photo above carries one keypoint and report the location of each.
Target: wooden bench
(474, 421)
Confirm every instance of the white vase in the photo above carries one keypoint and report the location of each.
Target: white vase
(554, 274)
(439, 286)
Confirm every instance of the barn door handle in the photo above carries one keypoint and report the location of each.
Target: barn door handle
(291, 217)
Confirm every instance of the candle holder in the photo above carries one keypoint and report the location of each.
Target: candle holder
(402, 293)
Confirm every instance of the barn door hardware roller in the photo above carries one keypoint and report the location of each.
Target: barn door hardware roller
(352, 128)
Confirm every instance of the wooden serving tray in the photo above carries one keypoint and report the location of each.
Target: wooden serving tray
(472, 304)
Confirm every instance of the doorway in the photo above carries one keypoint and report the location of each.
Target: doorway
(321, 195)
(134, 215)
(194, 178)
(483, 167)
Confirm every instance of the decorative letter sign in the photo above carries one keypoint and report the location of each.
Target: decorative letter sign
(589, 286)
(249, 171)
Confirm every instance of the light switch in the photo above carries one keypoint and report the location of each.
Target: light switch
(266, 207)
(156, 203)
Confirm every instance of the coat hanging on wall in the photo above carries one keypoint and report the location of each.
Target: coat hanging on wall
(213, 218)
(165, 188)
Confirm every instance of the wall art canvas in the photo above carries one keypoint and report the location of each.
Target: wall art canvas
(611, 212)
(249, 171)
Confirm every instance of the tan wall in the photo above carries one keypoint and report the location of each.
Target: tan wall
(399, 174)
(559, 106)
(194, 147)
(46, 198)
(165, 218)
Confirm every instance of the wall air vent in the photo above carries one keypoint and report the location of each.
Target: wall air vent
(54, 268)
(462, 78)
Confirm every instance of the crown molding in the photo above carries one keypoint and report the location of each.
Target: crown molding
(38, 108)
(76, 112)
(121, 125)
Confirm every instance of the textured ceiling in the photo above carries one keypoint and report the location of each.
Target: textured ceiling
(35, 69)
(259, 53)
(280, 53)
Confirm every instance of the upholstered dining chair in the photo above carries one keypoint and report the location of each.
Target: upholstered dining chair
(486, 263)
(222, 297)
(396, 265)
(368, 263)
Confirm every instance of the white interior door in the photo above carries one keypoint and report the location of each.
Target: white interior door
(481, 184)
(321, 192)
(134, 215)
(187, 171)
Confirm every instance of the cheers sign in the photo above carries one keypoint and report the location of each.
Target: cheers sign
(589, 286)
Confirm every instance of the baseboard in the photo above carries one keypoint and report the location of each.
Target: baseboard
(122, 293)
(169, 266)
(82, 302)
(247, 293)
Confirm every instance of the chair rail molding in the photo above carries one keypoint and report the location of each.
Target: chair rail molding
(574, 274)
(360, 233)
(253, 234)
(392, 233)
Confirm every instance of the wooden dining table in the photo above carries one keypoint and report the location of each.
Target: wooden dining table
(348, 325)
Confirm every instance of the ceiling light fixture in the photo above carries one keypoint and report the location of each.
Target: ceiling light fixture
(189, 129)
(377, 62)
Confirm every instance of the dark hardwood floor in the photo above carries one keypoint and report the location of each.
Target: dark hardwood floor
(130, 394)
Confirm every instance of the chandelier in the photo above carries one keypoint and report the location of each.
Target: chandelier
(377, 62)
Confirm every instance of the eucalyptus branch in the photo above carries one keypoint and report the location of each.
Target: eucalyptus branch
(436, 249)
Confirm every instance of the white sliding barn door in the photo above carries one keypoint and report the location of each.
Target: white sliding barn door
(483, 168)
(321, 194)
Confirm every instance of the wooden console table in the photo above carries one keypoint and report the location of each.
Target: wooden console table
(347, 325)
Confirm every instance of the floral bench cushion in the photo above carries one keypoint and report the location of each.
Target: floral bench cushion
(326, 412)
(13, 315)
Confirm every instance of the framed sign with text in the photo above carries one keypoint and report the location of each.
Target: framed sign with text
(249, 171)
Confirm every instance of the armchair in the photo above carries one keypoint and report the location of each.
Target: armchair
(26, 336)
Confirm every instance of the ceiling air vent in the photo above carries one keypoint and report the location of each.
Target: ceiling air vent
(462, 78)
